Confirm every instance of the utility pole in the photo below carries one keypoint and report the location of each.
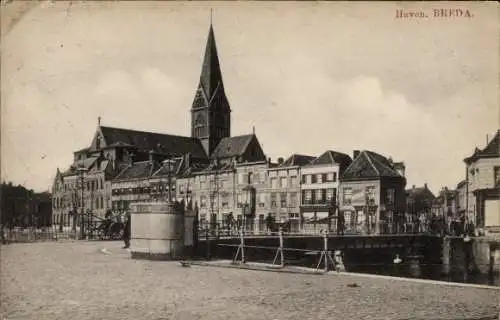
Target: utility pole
(81, 171)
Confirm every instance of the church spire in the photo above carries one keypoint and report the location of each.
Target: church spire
(211, 75)
(210, 111)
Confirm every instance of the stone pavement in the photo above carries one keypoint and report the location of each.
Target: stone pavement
(98, 280)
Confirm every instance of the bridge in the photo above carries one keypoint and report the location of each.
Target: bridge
(358, 249)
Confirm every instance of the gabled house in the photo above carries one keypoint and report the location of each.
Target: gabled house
(372, 192)
(284, 190)
(419, 200)
(483, 185)
(320, 181)
(236, 167)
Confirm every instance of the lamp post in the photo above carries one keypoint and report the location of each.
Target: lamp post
(81, 173)
(169, 163)
(247, 202)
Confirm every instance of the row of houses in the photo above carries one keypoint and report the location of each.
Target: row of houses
(476, 197)
(222, 175)
(248, 188)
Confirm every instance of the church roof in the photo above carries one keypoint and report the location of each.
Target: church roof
(297, 160)
(232, 146)
(492, 150)
(369, 165)
(160, 143)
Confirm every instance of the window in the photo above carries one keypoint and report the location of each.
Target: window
(331, 176)
(390, 196)
(347, 196)
(262, 200)
(330, 195)
(283, 199)
(308, 179)
(319, 196)
(203, 201)
(203, 185)
(283, 182)
(274, 183)
(307, 196)
(314, 178)
(293, 199)
(255, 178)
(319, 178)
(293, 181)
(370, 195)
(239, 200)
(497, 176)
(263, 177)
(273, 200)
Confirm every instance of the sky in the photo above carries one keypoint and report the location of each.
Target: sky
(310, 76)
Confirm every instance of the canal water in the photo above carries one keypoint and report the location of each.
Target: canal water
(379, 262)
(430, 273)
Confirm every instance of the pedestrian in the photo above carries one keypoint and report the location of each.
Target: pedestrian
(127, 231)
(340, 224)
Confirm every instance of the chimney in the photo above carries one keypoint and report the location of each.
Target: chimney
(355, 154)
(413, 187)
(425, 185)
(400, 168)
(281, 160)
(268, 160)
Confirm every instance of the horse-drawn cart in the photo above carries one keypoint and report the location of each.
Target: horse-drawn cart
(109, 228)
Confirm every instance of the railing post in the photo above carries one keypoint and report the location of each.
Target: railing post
(207, 241)
(242, 244)
(281, 247)
(325, 242)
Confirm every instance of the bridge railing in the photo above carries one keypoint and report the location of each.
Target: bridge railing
(223, 229)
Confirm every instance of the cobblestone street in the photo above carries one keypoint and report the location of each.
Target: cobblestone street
(80, 280)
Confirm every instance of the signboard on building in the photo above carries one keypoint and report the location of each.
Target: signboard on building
(358, 197)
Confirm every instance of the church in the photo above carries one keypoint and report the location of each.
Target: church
(123, 165)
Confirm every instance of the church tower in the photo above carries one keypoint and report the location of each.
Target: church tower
(210, 112)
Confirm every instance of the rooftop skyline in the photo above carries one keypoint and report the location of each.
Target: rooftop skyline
(310, 77)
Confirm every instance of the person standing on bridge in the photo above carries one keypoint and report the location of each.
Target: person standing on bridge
(127, 230)
(340, 223)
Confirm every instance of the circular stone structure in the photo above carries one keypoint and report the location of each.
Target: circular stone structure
(157, 231)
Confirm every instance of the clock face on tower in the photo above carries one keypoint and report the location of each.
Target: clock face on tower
(200, 121)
